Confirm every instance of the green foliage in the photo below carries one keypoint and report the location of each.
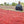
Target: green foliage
(4, 3)
(7, 4)
(22, 4)
(1, 4)
(13, 4)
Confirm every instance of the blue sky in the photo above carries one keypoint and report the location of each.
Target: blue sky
(10, 1)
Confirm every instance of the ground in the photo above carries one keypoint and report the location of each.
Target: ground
(11, 17)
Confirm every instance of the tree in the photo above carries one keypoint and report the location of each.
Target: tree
(1, 4)
(4, 3)
(8, 4)
(22, 4)
(13, 4)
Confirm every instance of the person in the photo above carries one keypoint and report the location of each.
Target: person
(19, 6)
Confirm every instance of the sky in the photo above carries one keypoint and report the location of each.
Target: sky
(10, 1)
